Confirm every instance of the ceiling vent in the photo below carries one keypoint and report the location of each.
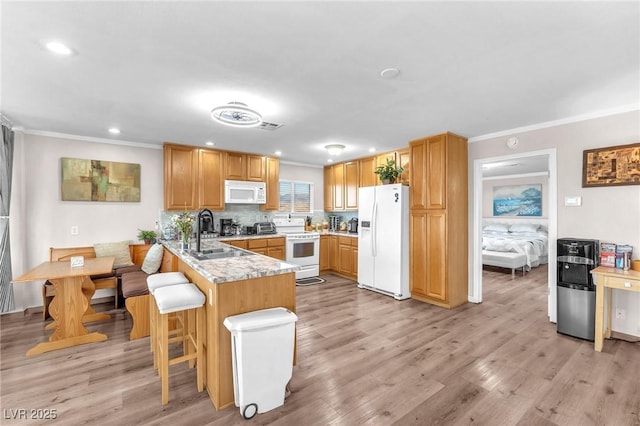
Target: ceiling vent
(269, 126)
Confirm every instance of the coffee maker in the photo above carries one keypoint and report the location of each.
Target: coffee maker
(226, 227)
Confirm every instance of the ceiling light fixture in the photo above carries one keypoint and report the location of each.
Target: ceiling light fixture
(389, 73)
(59, 48)
(334, 149)
(114, 131)
(209, 143)
(372, 150)
(278, 153)
(236, 114)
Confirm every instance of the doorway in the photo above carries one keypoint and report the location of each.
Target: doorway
(551, 198)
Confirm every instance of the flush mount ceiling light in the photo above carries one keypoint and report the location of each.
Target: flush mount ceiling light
(334, 149)
(389, 73)
(236, 114)
(58, 48)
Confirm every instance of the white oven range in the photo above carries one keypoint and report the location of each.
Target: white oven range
(302, 248)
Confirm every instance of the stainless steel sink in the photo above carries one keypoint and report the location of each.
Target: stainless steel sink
(219, 253)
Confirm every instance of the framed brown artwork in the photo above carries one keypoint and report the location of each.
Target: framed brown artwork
(611, 166)
(96, 180)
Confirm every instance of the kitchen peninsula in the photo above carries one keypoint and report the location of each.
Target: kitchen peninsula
(235, 282)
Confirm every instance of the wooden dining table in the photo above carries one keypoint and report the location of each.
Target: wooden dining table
(70, 307)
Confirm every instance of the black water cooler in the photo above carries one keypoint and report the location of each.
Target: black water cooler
(576, 291)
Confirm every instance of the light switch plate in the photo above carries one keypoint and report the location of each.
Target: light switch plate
(574, 201)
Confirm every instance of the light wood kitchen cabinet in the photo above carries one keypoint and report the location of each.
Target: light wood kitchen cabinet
(348, 257)
(328, 189)
(324, 252)
(338, 186)
(403, 159)
(351, 181)
(438, 220)
(210, 179)
(366, 175)
(243, 244)
(235, 166)
(180, 177)
(333, 253)
(256, 170)
(272, 177)
(272, 247)
(381, 159)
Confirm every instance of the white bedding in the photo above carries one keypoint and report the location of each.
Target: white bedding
(532, 244)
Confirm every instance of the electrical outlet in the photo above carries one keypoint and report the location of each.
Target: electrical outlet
(74, 230)
(620, 314)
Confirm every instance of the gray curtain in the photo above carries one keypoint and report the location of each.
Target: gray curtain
(7, 303)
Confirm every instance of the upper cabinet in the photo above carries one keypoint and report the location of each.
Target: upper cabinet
(403, 159)
(367, 176)
(180, 177)
(194, 178)
(429, 179)
(341, 186)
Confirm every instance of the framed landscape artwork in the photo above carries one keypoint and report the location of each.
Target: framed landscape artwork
(517, 200)
(611, 166)
(96, 180)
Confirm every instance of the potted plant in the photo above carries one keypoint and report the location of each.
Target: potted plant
(389, 172)
(147, 236)
(184, 222)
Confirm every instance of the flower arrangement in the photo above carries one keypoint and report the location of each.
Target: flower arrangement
(184, 222)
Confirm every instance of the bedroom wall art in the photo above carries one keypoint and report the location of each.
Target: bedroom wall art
(96, 180)
(517, 200)
(611, 166)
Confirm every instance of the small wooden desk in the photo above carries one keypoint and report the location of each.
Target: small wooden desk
(71, 302)
(606, 280)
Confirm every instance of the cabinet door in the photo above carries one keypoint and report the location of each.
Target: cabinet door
(237, 243)
(381, 159)
(436, 172)
(427, 255)
(272, 177)
(345, 259)
(180, 174)
(418, 183)
(351, 172)
(210, 179)
(324, 252)
(338, 186)
(276, 252)
(367, 177)
(256, 168)
(235, 166)
(328, 188)
(403, 159)
(333, 253)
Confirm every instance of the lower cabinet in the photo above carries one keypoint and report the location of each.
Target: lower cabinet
(339, 255)
(272, 247)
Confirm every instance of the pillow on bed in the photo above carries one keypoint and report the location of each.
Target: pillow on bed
(523, 227)
(496, 227)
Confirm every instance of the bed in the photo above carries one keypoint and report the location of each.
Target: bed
(514, 244)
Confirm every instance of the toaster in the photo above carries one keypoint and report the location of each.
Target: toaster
(262, 228)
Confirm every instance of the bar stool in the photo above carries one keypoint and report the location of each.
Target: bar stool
(177, 298)
(155, 281)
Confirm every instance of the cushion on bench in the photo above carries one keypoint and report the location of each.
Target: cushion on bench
(134, 284)
(126, 269)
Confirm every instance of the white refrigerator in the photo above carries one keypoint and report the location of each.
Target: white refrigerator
(383, 239)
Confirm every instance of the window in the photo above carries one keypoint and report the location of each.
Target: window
(296, 197)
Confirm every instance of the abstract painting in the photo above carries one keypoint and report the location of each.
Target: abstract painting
(611, 166)
(96, 180)
(517, 200)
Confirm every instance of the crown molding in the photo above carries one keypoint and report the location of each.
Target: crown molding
(574, 119)
(90, 139)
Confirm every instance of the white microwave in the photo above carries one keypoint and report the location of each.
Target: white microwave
(244, 192)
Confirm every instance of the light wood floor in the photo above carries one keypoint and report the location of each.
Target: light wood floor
(363, 358)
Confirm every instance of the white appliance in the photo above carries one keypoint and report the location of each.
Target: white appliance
(302, 248)
(383, 240)
(244, 192)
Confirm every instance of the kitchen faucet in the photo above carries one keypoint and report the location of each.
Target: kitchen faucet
(204, 213)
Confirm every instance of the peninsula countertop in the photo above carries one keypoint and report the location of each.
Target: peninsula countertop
(234, 268)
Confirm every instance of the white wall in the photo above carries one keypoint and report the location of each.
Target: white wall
(40, 220)
(607, 213)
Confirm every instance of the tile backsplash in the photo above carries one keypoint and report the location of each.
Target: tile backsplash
(243, 214)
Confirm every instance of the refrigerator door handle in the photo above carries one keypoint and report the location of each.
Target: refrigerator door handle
(374, 227)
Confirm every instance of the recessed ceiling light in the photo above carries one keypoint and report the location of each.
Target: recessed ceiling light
(372, 150)
(59, 48)
(114, 131)
(330, 160)
(278, 153)
(209, 143)
(389, 73)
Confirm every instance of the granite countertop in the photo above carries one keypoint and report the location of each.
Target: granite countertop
(231, 268)
(341, 233)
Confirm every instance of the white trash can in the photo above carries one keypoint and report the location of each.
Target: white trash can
(262, 352)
